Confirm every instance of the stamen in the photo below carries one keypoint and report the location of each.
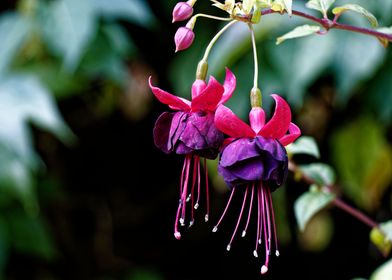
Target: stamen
(198, 185)
(265, 232)
(207, 192)
(264, 269)
(177, 234)
(273, 223)
(267, 208)
(215, 229)
(250, 211)
(191, 195)
(188, 159)
(239, 218)
(259, 219)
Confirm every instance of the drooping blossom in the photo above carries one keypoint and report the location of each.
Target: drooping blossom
(190, 131)
(255, 161)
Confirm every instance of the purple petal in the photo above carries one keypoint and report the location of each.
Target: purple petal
(161, 131)
(239, 150)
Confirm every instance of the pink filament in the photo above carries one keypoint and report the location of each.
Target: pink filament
(273, 219)
(240, 216)
(259, 218)
(250, 208)
(188, 158)
(265, 229)
(227, 206)
(207, 192)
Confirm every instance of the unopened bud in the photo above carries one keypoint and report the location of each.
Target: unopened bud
(183, 38)
(255, 97)
(182, 11)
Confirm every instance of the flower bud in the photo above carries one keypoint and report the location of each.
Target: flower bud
(182, 11)
(183, 38)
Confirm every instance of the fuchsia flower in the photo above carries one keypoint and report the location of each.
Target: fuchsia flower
(191, 131)
(254, 159)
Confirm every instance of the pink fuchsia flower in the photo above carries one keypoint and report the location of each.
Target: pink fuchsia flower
(190, 131)
(254, 159)
(182, 11)
(183, 38)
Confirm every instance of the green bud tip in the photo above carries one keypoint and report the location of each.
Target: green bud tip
(202, 68)
(255, 98)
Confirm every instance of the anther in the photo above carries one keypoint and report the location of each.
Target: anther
(228, 247)
(215, 229)
(191, 223)
(206, 217)
(255, 254)
(196, 206)
(188, 198)
(264, 269)
(277, 253)
(182, 222)
(243, 233)
(177, 235)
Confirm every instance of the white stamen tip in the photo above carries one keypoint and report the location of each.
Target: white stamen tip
(215, 229)
(260, 241)
(228, 247)
(177, 235)
(182, 222)
(196, 206)
(243, 233)
(255, 254)
(191, 223)
(277, 253)
(188, 198)
(206, 217)
(264, 269)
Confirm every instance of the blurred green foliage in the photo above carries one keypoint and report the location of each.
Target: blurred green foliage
(51, 49)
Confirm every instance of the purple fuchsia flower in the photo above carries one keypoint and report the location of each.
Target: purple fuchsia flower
(254, 160)
(190, 131)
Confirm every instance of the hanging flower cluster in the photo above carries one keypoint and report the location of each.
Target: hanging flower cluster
(251, 158)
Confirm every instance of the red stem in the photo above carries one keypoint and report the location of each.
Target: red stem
(329, 24)
(337, 201)
(355, 213)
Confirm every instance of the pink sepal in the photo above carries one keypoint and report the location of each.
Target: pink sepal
(173, 101)
(229, 85)
(227, 122)
(278, 125)
(209, 98)
(197, 87)
(294, 133)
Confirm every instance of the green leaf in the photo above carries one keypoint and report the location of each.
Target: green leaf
(382, 237)
(363, 158)
(304, 145)
(14, 30)
(136, 11)
(309, 204)
(69, 25)
(320, 5)
(358, 9)
(31, 236)
(300, 31)
(384, 272)
(321, 173)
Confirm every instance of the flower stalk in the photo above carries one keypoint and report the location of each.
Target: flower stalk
(332, 24)
(337, 201)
